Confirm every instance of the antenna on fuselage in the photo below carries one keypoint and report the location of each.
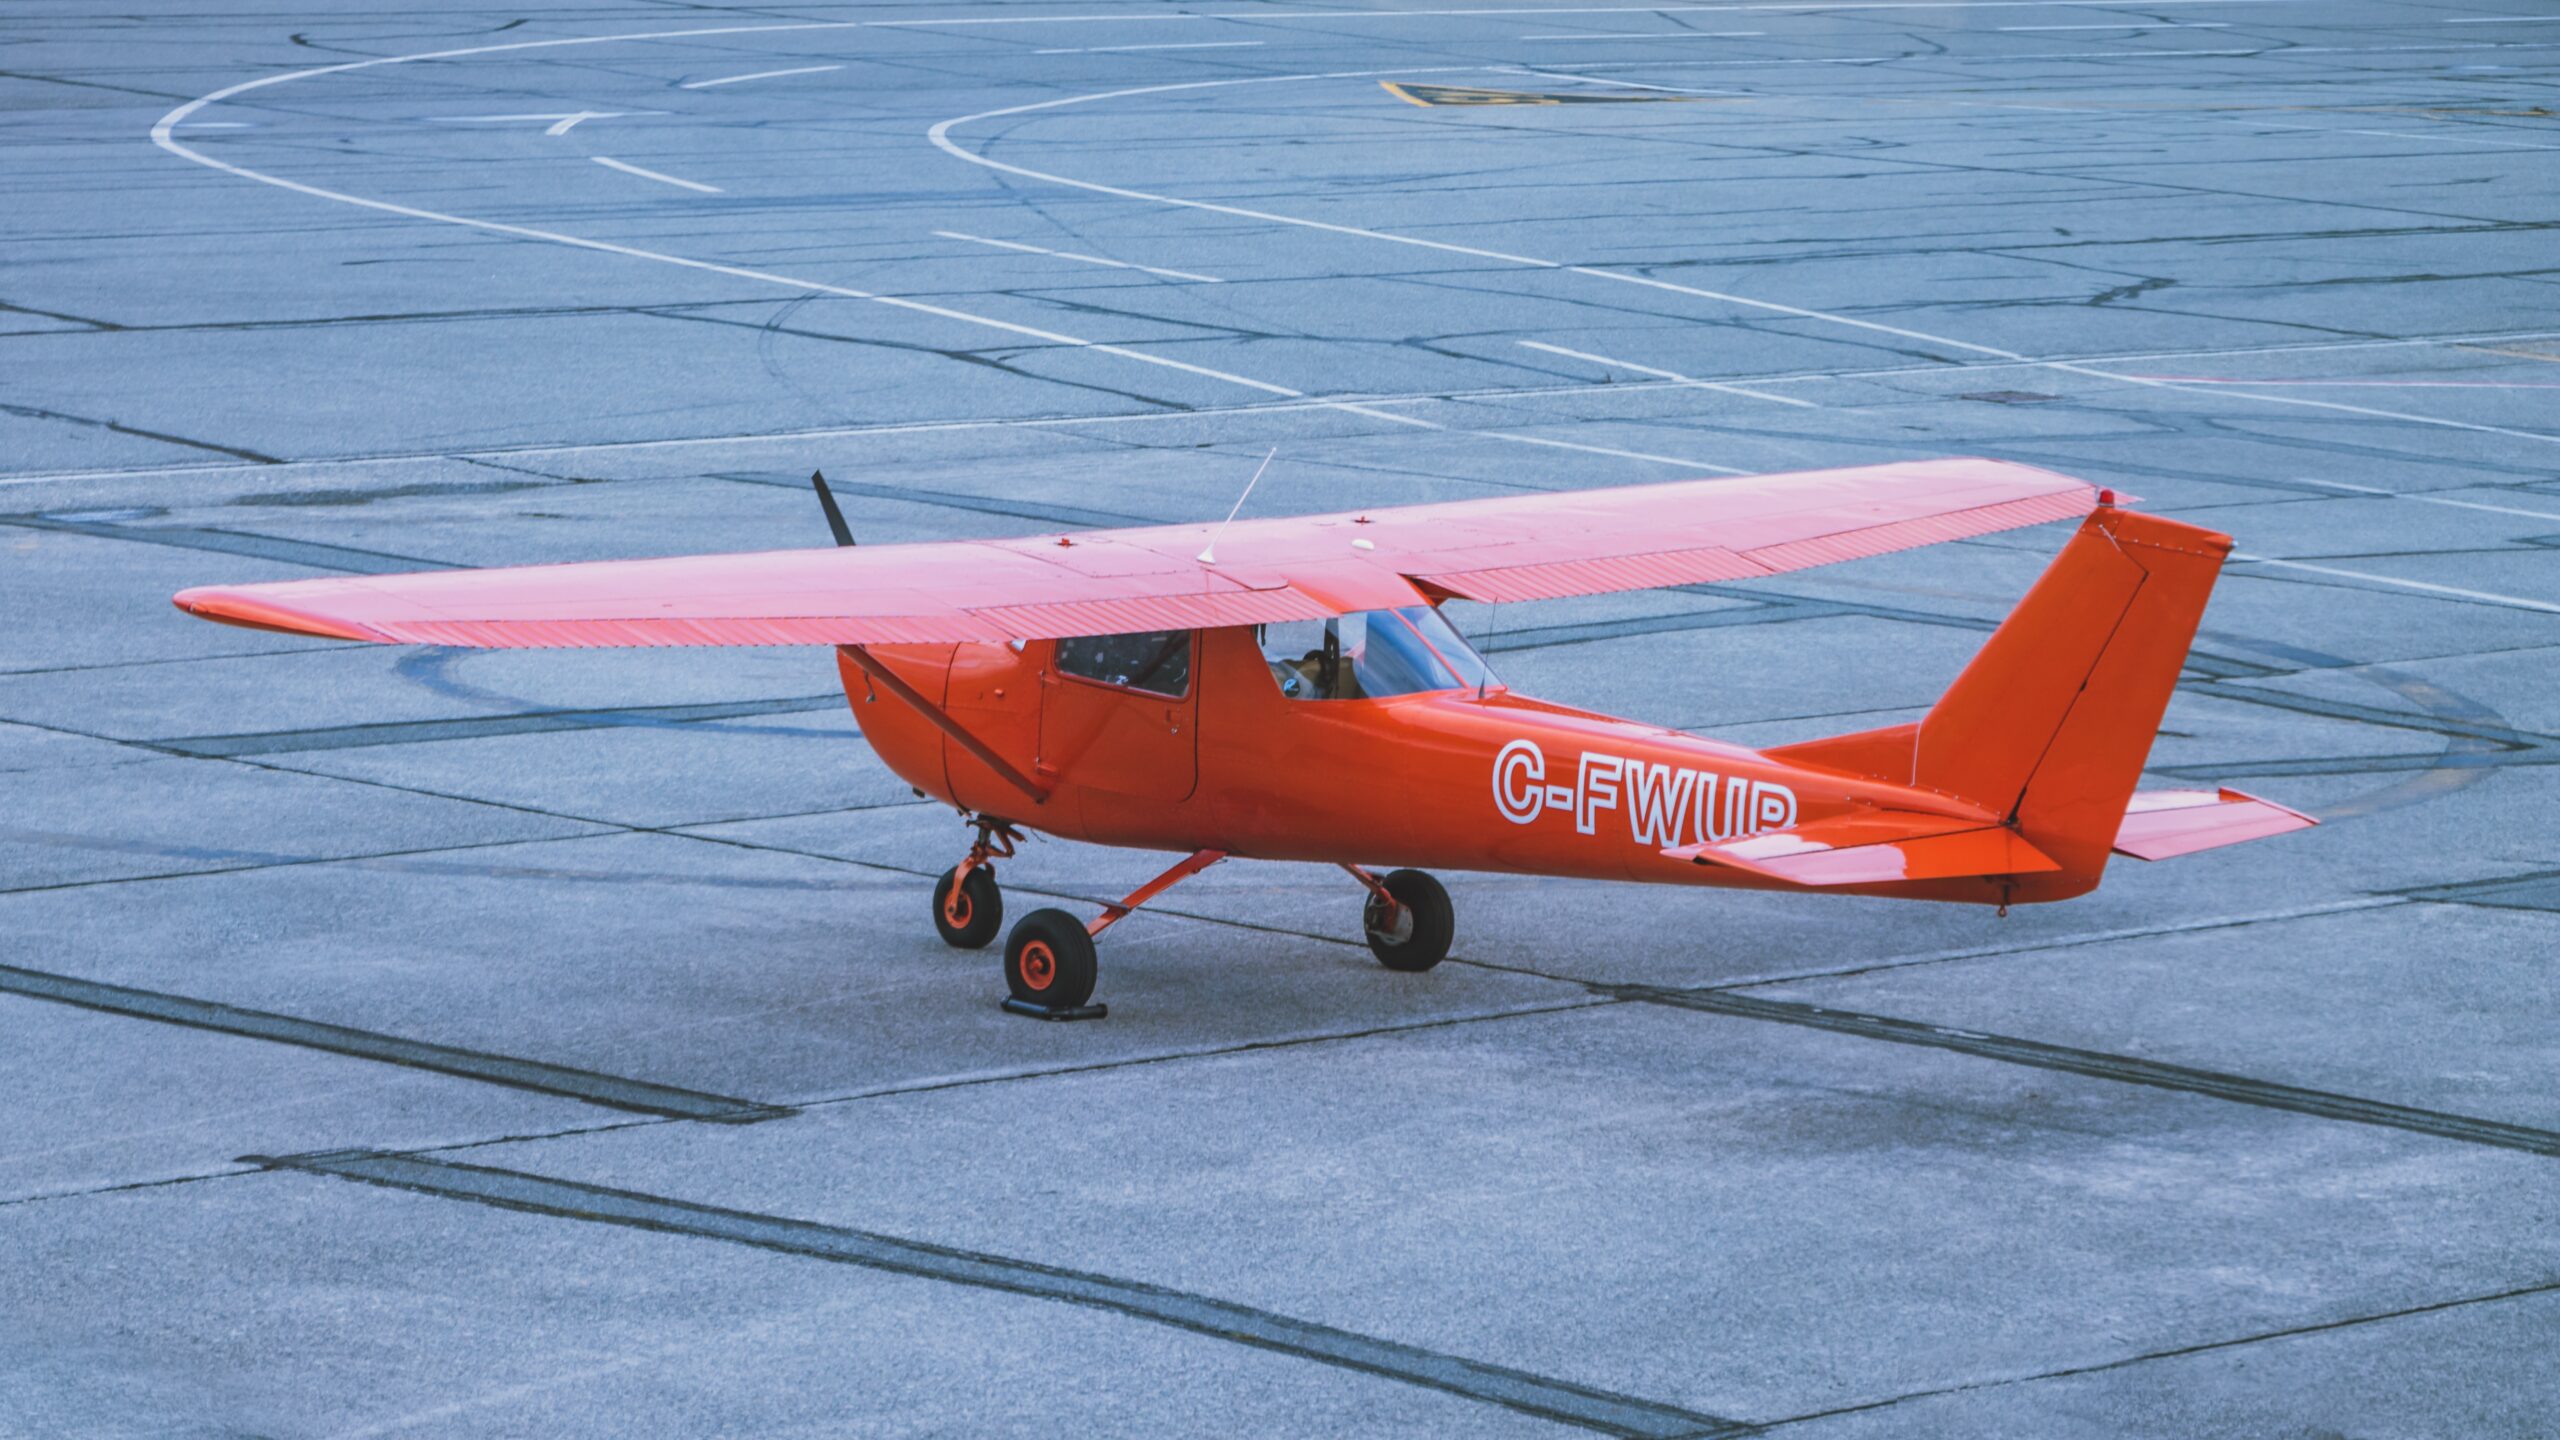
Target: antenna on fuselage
(827, 502)
(1209, 552)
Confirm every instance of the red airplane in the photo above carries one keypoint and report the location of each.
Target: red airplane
(1288, 689)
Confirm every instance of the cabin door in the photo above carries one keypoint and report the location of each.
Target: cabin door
(1118, 713)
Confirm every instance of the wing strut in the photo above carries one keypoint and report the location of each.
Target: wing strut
(889, 681)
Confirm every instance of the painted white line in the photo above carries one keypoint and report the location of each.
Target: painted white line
(1614, 83)
(1117, 49)
(566, 118)
(2432, 499)
(2367, 384)
(1671, 375)
(1668, 35)
(161, 135)
(1683, 461)
(628, 168)
(2483, 596)
(2340, 406)
(2270, 50)
(1087, 259)
(1816, 7)
(2447, 138)
(1362, 405)
(1680, 460)
(940, 136)
(758, 75)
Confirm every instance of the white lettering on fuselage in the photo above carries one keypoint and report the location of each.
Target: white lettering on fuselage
(1662, 803)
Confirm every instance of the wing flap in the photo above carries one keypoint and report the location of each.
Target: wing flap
(2163, 824)
(1876, 848)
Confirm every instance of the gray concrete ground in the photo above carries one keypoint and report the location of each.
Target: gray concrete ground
(419, 1042)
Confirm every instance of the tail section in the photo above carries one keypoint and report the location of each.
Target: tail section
(2051, 723)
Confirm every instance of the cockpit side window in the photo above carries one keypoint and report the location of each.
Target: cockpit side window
(1370, 655)
(1156, 661)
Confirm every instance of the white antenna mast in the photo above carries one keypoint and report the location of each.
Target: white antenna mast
(1209, 552)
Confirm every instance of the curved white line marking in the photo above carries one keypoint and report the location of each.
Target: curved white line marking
(1674, 376)
(759, 75)
(1190, 45)
(627, 168)
(940, 135)
(161, 136)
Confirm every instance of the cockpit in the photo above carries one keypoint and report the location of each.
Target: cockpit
(1370, 655)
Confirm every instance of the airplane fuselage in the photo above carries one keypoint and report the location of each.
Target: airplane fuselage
(1448, 780)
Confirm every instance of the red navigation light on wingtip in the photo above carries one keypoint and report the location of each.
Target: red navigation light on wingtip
(1306, 699)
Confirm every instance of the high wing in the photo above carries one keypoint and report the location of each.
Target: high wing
(1527, 547)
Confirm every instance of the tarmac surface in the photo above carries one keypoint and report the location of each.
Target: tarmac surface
(554, 1044)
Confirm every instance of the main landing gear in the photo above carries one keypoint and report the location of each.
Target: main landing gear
(1408, 919)
(1049, 962)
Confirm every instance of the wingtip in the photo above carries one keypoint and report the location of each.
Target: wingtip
(238, 607)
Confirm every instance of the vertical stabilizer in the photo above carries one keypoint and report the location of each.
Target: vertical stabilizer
(2051, 723)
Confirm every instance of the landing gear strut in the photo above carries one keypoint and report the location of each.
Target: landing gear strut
(1049, 966)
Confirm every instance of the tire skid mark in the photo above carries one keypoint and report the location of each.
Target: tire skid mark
(612, 1091)
(2100, 1065)
(1547, 1398)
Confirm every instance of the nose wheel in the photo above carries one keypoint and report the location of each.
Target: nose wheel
(968, 909)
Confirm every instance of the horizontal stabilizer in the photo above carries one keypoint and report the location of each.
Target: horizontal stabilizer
(2160, 824)
(1876, 848)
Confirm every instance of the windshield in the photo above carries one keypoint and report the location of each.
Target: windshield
(1371, 655)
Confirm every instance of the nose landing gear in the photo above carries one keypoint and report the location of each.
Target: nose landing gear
(968, 909)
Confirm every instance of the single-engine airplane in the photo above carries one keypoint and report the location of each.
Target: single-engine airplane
(1288, 689)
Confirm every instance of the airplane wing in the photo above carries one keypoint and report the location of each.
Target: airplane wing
(2162, 824)
(1524, 547)
(1875, 848)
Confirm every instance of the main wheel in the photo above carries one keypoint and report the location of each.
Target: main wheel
(1419, 935)
(970, 913)
(1048, 960)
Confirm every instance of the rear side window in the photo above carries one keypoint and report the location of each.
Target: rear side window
(1157, 661)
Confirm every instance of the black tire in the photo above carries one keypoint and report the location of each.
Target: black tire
(1048, 960)
(1425, 922)
(971, 915)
